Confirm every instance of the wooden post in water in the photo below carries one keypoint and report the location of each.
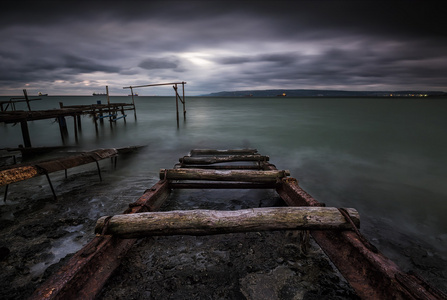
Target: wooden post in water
(108, 103)
(63, 128)
(107, 92)
(122, 112)
(75, 127)
(131, 92)
(176, 102)
(79, 123)
(95, 119)
(184, 101)
(101, 120)
(27, 99)
(25, 133)
(133, 103)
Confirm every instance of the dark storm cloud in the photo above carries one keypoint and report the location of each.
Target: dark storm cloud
(411, 17)
(386, 64)
(38, 69)
(246, 44)
(279, 58)
(159, 63)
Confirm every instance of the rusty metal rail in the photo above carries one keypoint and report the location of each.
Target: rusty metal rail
(370, 273)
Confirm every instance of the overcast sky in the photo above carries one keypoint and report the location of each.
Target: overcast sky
(77, 47)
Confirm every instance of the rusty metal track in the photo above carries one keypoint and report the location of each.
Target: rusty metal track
(370, 273)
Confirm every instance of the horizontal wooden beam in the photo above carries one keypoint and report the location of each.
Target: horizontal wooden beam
(223, 175)
(253, 166)
(204, 160)
(155, 84)
(221, 185)
(195, 152)
(207, 222)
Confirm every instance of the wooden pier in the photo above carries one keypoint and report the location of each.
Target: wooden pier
(97, 111)
(370, 273)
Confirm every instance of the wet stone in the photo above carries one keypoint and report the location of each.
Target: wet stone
(231, 266)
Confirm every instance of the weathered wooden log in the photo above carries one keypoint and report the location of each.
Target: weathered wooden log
(206, 222)
(222, 185)
(253, 166)
(222, 152)
(223, 175)
(204, 160)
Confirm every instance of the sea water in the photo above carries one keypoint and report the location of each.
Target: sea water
(386, 157)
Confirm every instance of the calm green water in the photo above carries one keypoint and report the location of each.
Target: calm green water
(385, 157)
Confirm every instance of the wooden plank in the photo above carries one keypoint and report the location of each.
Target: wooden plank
(204, 160)
(195, 152)
(221, 167)
(223, 175)
(221, 185)
(207, 222)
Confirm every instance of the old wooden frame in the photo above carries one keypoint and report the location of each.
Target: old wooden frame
(370, 273)
(177, 96)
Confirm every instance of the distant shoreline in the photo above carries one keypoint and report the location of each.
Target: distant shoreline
(327, 93)
(226, 95)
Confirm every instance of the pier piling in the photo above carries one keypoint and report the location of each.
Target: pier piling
(25, 133)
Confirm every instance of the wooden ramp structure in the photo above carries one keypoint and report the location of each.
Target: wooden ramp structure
(369, 272)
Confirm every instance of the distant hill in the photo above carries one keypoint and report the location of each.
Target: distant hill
(324, 93)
